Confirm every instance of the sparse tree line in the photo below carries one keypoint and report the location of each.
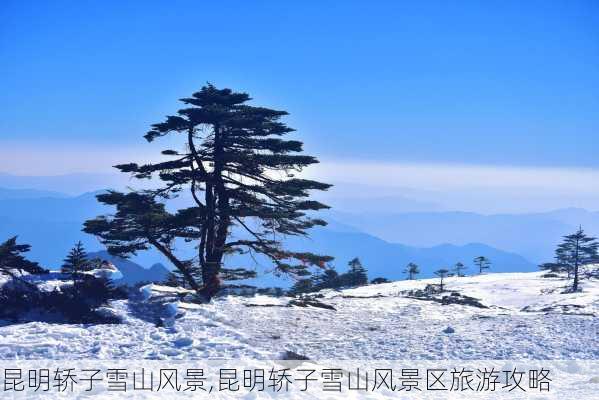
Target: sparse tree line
(482, 264)
(357, 276)
(329, 278)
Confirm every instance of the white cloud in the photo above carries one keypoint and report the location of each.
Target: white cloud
(482, 188)
(47, 158)
(454, 177)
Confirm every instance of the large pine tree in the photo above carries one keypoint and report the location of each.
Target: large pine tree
(239, 171)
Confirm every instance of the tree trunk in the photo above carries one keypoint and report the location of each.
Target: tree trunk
(216, 199)
(576, 261)
(211, 281)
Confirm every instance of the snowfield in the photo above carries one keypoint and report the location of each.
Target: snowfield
(528, 318)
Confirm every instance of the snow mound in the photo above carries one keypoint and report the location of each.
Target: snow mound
(108, 271)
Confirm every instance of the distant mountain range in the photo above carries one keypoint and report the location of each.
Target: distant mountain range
(6, 194)
(52, 223)
(71, 184)
(384, 259)
(533, 236)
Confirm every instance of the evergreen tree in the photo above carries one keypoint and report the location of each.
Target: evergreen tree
(13, 263)
(483, 263)
(75, 263)
(236, 274)
(552, 267)
(576, 250)
(411, 270)
(357, 274)
(561, 263)
(240, 173)
(442, 273)
(562, 258)
(458, 268)
(327, 279)
(303, 285)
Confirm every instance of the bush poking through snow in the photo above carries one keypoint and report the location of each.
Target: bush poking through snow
(378, 281)
(76, 300)
(68, 304)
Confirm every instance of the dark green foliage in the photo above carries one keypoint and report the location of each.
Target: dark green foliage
(377, 281)
(236, 274)
(483, 263)
(12, 260)
(140, 223)
(442, 274)
(562, 259)
(458, 268)
(69, 304)
(411, 270)
(96, 291)
(304, 285)
(553, 267)
(76, 263)
(576, 249)
(327, 279)
(77, 303)
(356, 274)
(14, 264)
(18, 298)
(239, 171)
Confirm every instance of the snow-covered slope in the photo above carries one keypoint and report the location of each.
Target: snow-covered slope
(527, 317)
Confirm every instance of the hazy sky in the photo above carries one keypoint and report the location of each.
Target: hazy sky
(479, 86)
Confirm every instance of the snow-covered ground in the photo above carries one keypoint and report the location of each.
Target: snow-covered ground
(528, 317)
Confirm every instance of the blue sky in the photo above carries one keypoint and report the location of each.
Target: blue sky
(501, 83)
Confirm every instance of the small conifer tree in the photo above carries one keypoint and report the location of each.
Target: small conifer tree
(357, 274)
(458, 268)
(442, 274)
(483, 263)
(411, 270)
(76, 263)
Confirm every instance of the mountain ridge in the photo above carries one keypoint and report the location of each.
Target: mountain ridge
(53, 225)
